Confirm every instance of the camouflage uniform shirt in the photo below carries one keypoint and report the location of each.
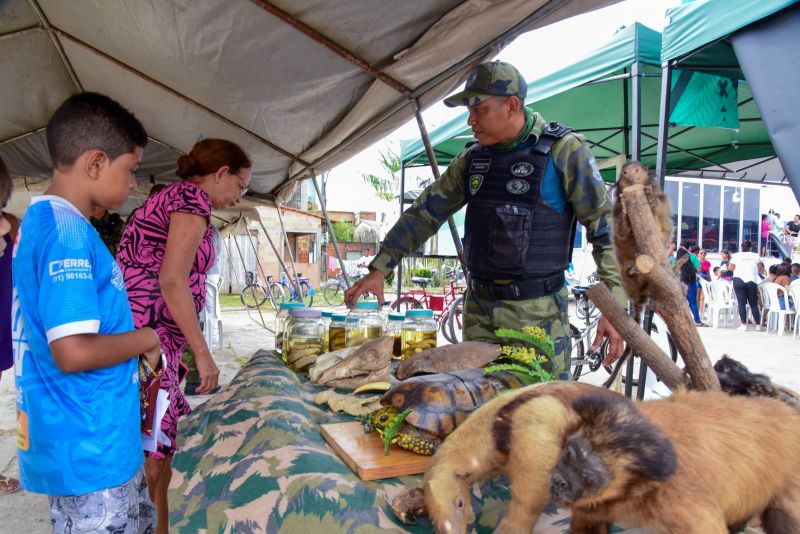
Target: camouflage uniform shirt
(582, 187)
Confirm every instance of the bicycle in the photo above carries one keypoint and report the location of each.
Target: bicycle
(306, 291)
(439, 303)
(255, 292)
(334, 290)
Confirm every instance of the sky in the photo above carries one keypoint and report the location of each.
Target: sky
(577, 37)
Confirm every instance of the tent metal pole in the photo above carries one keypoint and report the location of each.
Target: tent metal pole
(402, 205)
(636, 111)
(272, 244)
(663, 124)
(626, 126)
(423, 131)
(330, 228)
(293, 277)
(241, 258)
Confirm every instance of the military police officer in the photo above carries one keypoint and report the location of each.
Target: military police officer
(525, 183)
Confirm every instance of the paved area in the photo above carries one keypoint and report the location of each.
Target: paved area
(775, 356)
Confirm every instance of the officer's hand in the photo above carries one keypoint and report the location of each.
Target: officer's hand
(615, 343)
(372, 282)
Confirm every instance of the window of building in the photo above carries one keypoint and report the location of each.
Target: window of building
(672, 191)
(731, 215)
(751, 220)
(690, 214)
(711, 217)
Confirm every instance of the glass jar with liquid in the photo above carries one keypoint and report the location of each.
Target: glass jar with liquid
(304, 339)
(394, 328)
(419, 332)
(364, 322)
(326, 324)
(336, 332)
(280, 324)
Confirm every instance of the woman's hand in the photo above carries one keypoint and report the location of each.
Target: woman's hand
(153, 354)
(209, 372)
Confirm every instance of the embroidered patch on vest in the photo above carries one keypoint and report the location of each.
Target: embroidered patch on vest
(480, 165)
(518, 187)
(521, 168)
(475, 182)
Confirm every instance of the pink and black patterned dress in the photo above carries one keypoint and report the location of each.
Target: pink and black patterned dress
(140, 255)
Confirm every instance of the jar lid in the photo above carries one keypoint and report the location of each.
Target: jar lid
(367, 305)
(396, 316)
(419, 313)
(339, 317)
(305, 313)
(291, 305)
(327, 314)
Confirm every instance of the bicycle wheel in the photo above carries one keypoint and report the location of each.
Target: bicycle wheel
(578, 353)
(405, 303)
(277, 296)
(253, 295)
(333, 294)
(307, 294)
(455, 318)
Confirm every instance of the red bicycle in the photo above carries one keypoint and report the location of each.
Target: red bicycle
(440, 303)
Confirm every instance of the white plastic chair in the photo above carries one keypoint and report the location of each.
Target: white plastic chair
(210, 322)
(722, 303)
(794, 292)
(705, 286)
(772, 305)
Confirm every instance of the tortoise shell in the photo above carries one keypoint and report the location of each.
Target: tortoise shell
(442, 401)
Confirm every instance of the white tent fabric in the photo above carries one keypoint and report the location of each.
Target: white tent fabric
(240, 70)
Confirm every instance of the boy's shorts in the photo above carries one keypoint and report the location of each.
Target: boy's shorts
(122, 509)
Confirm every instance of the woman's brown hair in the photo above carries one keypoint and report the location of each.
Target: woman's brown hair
(208, 155)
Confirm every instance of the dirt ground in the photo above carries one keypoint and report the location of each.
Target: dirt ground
(244, 334)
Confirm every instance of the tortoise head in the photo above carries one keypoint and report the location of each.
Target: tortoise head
(379, 419)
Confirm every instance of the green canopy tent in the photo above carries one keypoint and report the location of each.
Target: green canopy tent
(711, 47)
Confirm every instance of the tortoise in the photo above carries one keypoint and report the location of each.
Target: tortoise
(420, 412)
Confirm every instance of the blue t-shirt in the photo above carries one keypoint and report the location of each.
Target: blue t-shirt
(76, 432)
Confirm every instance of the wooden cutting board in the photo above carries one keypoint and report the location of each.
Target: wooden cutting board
(363, 453)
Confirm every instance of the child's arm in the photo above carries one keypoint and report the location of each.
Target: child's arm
(86, 352)
(185, 235)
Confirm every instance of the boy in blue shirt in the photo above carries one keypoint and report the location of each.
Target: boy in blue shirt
(75, 347)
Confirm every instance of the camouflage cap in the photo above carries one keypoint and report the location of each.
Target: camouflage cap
(493, 78)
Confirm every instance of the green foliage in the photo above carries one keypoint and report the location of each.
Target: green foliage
(343, 230)
(384, 187)
(423, 272)
(531, 336)
(391, 430)
(527, 362)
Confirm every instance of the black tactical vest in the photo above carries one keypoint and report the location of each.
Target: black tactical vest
(510, 231)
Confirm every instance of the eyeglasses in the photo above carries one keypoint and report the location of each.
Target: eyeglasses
(242, 190)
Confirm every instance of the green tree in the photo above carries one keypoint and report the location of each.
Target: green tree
(343, 230)
(384, 186)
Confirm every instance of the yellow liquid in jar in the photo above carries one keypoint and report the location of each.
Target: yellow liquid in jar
(336, 338)
(301, 353)
(416, 341)
(357, 336)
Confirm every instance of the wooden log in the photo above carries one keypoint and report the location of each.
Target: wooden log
(642, 344)
(667, 293)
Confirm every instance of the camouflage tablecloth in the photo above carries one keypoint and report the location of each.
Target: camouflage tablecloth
(251, 459)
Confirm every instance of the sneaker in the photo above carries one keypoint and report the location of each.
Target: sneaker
(743, 327)
(759, 328)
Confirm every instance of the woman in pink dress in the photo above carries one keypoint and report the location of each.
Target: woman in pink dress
(165, 252)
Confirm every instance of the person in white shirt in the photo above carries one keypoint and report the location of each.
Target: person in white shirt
(744, 266)
(363, 262)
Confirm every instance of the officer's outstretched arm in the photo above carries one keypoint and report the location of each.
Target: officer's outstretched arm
(373, 282)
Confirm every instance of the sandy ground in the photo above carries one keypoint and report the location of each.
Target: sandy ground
(244, 334)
